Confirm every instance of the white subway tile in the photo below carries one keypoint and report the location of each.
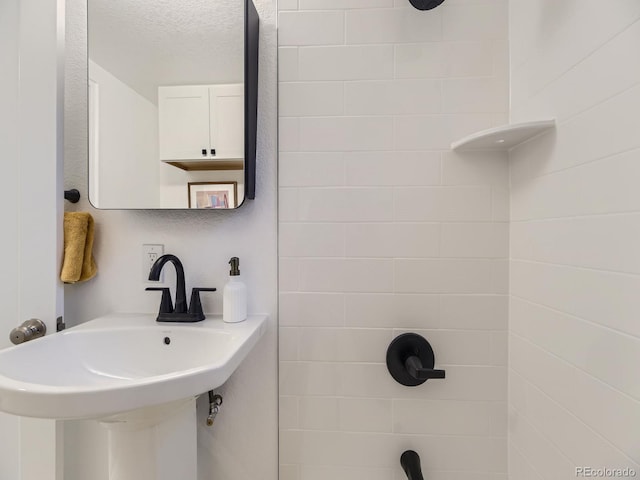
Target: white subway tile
(344, 344)
(519, 466)
(289, 472)
(607, 242)
(571, 437)
(473, 383)
(458, 347)
(392, 310)
(421, 60)
(289, 134)
(310, 28)
(336, 472)
(476, 168)
(441, 417)
(319, 413)
(346, 275)
(580, 393)
(311, 169)
(345, 204)
(474, 312)
(323, 134)
(500, 205)
(287, 5)
(475, 21)
(400, 25)
(365, 415)
(436, 132)
(288, 274)
(540, 451)
(288, 408)
(481, 240)
(609, 299)
(310, 99)
(309, 378)
(576, 36)
(430, 204)
(393, 97)
(580, 139)
(393, 168)
(343, 4)
(605, 186)
(573, 340)
(443, 276)
(288, 343)
(311, 309)
(311, 240)
(392, 240)
(287, 204)
(365, 62)
(471, 59)
(500, 350)
(480, 95)
(287, 64)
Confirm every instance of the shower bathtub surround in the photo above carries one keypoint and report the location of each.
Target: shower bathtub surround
(383, 230)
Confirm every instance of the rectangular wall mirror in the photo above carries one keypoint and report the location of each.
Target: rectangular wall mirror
(172, 103)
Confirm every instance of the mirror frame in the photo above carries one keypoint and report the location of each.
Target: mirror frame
(251, 48)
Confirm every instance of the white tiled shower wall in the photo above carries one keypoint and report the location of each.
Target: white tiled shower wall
(384, 230)
(575, 211)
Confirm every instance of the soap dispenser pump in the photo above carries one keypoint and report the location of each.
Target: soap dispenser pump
(234, 301)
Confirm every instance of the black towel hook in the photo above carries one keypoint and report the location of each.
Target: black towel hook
(72, 195)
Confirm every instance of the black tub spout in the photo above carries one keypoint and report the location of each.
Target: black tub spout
(410, 462)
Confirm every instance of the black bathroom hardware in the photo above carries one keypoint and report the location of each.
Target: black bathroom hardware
(410, 360)
(215, 401)
(72, 195)
(410, 462)
(178, 313)
(426, 4)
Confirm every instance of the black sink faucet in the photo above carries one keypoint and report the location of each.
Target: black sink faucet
(181, 293)
(180, 313)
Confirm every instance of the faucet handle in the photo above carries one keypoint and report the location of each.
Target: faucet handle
(166, 306)
(195, 306)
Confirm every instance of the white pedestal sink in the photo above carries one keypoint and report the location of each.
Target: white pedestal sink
(138, 377)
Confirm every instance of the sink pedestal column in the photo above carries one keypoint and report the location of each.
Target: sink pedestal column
(157, 443)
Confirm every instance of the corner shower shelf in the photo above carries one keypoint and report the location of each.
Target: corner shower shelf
(504, 137)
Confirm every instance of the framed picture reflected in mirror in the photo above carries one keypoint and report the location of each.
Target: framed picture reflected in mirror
(208, 195)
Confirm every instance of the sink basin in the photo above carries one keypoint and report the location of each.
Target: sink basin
(121, 362)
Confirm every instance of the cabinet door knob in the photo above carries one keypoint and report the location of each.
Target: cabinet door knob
(213, 152)
(204, 152)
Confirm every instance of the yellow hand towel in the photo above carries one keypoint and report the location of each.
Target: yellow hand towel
(78, 264)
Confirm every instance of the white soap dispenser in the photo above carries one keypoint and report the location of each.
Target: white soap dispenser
(234, 298)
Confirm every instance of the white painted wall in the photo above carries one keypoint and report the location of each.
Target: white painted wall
(243, 444)
(127, 136)
(384, 230)
(575, 210)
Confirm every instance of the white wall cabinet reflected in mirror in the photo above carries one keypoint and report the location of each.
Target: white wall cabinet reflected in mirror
(204, 121)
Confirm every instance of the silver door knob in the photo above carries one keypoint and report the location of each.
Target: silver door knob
(29, 330)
